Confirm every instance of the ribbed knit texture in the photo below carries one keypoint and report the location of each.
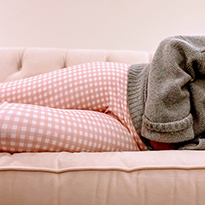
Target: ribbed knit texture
(166, 97)
(137, 81)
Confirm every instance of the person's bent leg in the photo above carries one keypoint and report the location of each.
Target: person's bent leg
(84, 86)
(32, 128)
(98, 86)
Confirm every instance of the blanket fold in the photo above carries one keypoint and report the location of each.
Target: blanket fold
(173, 108)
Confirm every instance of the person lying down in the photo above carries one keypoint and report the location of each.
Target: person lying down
(108, 106)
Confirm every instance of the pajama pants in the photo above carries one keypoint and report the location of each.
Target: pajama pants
(75, 109)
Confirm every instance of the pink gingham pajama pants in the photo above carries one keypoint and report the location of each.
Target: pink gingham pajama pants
(78, 108)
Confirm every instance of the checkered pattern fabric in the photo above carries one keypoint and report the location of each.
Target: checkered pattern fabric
(79, 108)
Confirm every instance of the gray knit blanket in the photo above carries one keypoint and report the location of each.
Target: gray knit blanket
(166, 98)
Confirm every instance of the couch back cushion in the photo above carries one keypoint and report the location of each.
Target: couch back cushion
(18, 63)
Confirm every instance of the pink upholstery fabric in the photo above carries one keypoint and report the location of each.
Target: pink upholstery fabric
(92, 112)
(109, 178)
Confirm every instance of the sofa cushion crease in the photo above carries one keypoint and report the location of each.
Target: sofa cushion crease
(63, 162)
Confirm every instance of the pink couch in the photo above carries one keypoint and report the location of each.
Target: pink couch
(112, 178)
